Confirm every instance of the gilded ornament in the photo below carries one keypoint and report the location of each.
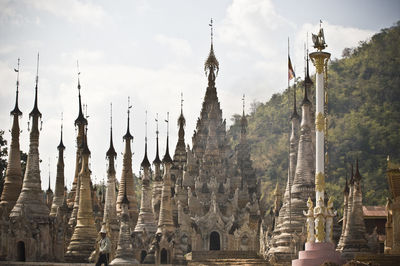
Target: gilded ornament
(321, 230)
(320, 182)
(320, 122)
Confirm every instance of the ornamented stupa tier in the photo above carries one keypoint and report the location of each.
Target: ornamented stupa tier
(80, 122)
(127, 178)
(302, 187)
(13, 178)
(110, 218)
(354, 236)
(146, 217)
(165, 222)
(84, 237)
(58, 199)
(31, 197)
(125, 253)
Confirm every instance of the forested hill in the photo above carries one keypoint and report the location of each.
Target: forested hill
(364, 121)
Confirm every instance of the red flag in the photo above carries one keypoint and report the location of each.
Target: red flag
(291, 73)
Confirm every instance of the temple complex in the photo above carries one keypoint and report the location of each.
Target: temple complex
(202, 205)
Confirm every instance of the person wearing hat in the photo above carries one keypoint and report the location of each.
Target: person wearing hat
(104, 248)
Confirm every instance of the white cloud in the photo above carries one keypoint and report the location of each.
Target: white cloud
(73, 10)
(178, 46)
(249, 24)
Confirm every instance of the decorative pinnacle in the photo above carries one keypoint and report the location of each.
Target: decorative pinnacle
(81, 120)
(16, 110)
(111, 151)
(211, 66)
(35, 111)
(167, 157)
(157, 159)
(145, 163)
(125, 198)
(61, 145)
(243, 120)
(128, 135)
(181, 119)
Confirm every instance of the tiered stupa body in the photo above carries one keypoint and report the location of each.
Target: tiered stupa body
(84, 237)
(29, 219)
(110, 218)
(124, 253)
(285, 210)
(13, 178)
(127, 180)
(58, 199)
(177, 169)
(292, 224)
(146, 220)
(354, 240)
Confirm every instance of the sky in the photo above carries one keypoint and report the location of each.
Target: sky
(152, 51)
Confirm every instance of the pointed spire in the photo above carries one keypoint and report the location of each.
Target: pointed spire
(357, 175)
(111, 151)
(243, 120)
(145, 163)
(346, 187)
(167, 157)
(85, 148)
(16, 110)
(81, 120)
(294, 114)
(181, 119)
(128, 135)
(49, 189)
(35, 111)
(157, 159)
(307, 82)
(352, 175)
(211, 66)
(125, 198)
(61, 145)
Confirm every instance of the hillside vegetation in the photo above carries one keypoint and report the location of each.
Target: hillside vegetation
(364, 121)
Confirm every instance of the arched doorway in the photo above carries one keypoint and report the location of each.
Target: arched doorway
(164, 256)
(20, 251)
(215, 243)
(143, 255)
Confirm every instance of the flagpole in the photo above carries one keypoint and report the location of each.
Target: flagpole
(290, 187)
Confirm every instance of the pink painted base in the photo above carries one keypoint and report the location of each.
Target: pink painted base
(318, 253)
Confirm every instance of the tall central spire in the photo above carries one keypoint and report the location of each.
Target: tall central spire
(211, 66)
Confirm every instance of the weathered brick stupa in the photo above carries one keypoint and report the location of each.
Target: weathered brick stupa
(29, 231)
(127, 178)
(13, 178)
